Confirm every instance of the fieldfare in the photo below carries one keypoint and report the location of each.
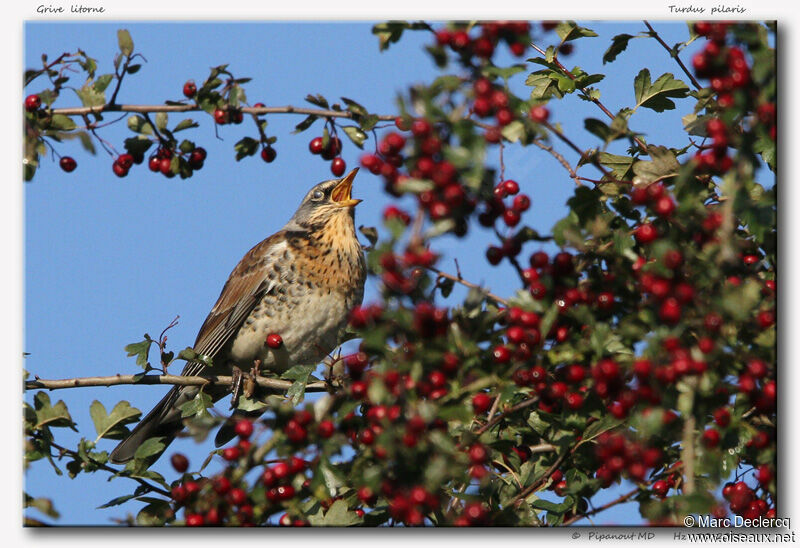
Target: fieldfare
(300, 283)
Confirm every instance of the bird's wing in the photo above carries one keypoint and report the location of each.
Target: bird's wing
(245, 287)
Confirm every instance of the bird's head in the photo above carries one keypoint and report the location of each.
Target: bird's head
(327, 201)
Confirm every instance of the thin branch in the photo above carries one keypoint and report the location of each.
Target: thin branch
(507, 412)
(585, 95)
(673, 54)
(471, 285)
(75, 455)
(178, 380)
(561, 160)
(599, 509)
(288, 109)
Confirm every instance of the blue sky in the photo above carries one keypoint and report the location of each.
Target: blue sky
(108, 259)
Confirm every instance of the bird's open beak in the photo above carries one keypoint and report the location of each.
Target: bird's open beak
(341, 193)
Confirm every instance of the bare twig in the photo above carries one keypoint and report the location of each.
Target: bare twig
(560, 159)
(471, 285)
(507, 412)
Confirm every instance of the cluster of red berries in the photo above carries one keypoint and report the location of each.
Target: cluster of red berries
(448, 199)
(495, 207)
(169, 162)
(393, 212)
(410, 505)
(515, 33)
(619, 455)
(743, 501)
(725, 67)
(756, 383)
(656, 198)
(399, 272)
(33, 103)
(715, 160)
(280, 479)
(329, 149)
(228, 115)
(491, 100)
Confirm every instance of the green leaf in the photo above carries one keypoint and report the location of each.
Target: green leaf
(139, 124)
(246, 146)
(619, 165)
(354, 107)
(544, 86)
(317, 100)
(185, 124)
(102, 82)
(299, 374)
(569, 30)
(514, 131)
(608, 422)
(141, 350)
(618, 44)
(663, 164)
(161, 120)
(305, 124)
(356, 135)
(117, 501)
(61, 122)
(656, 95)
(112, 426)
(548, 319)
(125, 42)
(42, 504)
(197, 406)
(90, 97)
(338, 515)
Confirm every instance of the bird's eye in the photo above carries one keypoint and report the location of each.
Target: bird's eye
(318, 195)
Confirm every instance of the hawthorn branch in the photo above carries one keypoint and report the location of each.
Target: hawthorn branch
(177, 380)
(561, 160)
(673, 54)
(462, 281)
(606, 506)
(75, 455)
(142, 109)
(497, 418)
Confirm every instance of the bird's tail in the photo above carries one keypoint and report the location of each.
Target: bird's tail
(163, 421)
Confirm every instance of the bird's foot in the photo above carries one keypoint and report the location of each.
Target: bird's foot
(250, 380)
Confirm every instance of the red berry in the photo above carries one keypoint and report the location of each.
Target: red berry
(268, 154)
(420, 127)
(540, 114)
(722, 417)
(478, 454)
(660, 488)
(481, 403)
(501, 354)
(179, 462)
(220, 116)
(645, 233)
(766, 318)
(221, 485)
(231, 453)
(32, 103)
(274, 340)
(325, 429)
(194, 520)
(119, 169)
(315, 145)
(68, 164)
(494, 255)
(574, 400)
(711, 437)
(511, 187)
(243, 428)
(338, 166)
(189, 89)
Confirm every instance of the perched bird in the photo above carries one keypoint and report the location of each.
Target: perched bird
(300, 283)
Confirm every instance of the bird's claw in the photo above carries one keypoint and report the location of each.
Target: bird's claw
(237, 377)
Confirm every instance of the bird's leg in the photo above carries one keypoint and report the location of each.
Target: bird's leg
(236, 385)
